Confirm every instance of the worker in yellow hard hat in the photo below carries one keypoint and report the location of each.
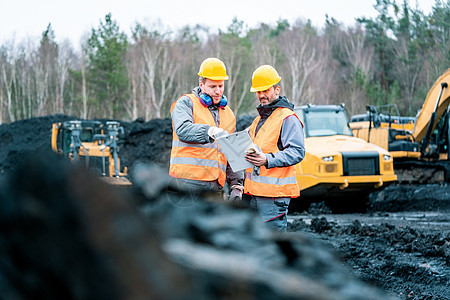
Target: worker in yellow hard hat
(198, 119)
(278, 135)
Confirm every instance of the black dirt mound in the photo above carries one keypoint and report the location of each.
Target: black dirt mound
(146, 142)
(142, 141)
(21, 138)
(425, 197)
(409, 262)
(47, 252)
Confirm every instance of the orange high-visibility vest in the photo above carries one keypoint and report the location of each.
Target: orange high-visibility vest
(273, 182)
(204, 162)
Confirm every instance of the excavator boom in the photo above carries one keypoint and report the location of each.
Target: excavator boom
(435, 105)
(421, 153)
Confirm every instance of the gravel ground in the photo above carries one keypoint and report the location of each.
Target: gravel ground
(400, 244)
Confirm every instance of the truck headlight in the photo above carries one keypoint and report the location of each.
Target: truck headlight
(386, 157)
(328, 158)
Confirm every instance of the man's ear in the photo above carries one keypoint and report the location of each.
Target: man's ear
(278, 90)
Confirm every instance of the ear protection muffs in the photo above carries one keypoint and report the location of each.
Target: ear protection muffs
(206, 100)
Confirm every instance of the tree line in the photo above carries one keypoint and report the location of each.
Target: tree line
(393, 58)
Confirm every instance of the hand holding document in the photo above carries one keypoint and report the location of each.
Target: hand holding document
(234, 147)
(253, 148)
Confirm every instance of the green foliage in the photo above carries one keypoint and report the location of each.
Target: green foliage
(48, 36)
(378, 34)
(439, 31)
(282, 25)
(236, 27)
(106, 49)
(334, 32)
(405, 41)
(139, 31)
(376, 95)
(189, 35)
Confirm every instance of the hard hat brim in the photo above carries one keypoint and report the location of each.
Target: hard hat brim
(262, 88)
(215, 77)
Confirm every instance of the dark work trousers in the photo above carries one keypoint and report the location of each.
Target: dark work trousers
(273, 211)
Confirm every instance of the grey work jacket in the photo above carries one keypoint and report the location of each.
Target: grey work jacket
(188, 131)
(292, 139)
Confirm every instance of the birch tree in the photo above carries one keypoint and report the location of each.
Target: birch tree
(301, 55)
(168, 66)
(135, 70)
(7, 81)
(65, 62)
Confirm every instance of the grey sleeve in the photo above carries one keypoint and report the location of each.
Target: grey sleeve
(234, 178)
(183, 123)
(293, 141)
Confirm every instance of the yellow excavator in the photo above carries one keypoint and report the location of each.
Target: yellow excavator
(337, 163)
(419, 145)
(93, 143)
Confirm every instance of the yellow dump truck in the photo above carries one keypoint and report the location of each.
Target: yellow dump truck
(336, 162)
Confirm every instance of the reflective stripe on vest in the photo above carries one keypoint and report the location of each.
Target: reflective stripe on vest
(204, 162)
(197, 162)
(270, 180)
(273, 182)
(179, 143)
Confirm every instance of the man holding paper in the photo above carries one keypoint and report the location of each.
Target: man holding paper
(279, 145)
(198, 119)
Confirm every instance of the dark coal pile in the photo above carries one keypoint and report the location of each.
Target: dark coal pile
(21, 138)
(426, 197)
(409, 262)
(146, 142)
(142, 141)
(67, 235)
(244, 121)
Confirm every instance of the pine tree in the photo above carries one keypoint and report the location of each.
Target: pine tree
(106, 49)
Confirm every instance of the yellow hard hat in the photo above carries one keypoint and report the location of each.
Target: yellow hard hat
(263, 78)
(213, 68)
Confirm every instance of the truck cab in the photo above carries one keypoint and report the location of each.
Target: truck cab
(337, 163)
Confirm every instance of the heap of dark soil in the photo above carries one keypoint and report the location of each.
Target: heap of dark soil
(142, 141)
(24, 137)
(409, 262)
(146, 142)
(411, 197)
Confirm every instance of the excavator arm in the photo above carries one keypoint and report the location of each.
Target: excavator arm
(435, 105)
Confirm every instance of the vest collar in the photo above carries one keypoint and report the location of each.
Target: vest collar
(266, 110)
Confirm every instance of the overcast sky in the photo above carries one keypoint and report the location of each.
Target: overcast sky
(71, 19)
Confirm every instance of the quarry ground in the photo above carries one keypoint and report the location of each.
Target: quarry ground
(399, 240)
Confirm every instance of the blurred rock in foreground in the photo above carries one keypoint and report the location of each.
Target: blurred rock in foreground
(68, 235)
